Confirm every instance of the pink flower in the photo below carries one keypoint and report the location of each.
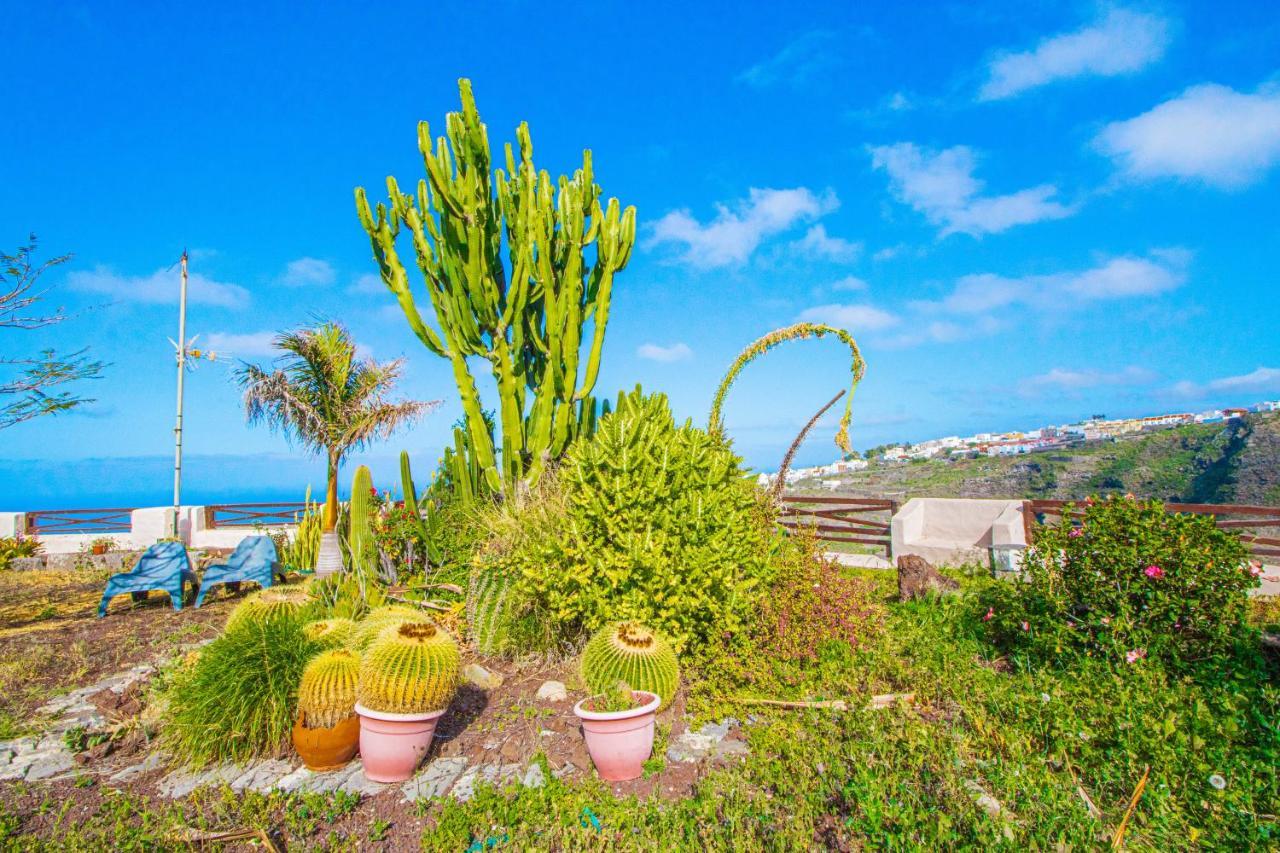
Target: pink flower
(1255, 569)
(1076, 532)
(1106, 620)
(1153, 572)
(1135, 655)
(991, 611)
(1026, 627)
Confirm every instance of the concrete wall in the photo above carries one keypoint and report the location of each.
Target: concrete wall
(146, 527)
(951, 531)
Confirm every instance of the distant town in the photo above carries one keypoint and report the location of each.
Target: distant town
(1054, 437)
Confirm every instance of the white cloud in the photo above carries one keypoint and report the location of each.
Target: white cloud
(923, 331)
(656, 352)
(368, 284)
(305, 272)
(159, 288)
(1118, 278)
(1209, 133)
(855, 318)
(1262, 380)
(241, 344)
(1063, 380)
(849, 282)
(1122, 42)
(797, 62)
(941, 185)
(889, 252)
(818, 244)
(736, 232)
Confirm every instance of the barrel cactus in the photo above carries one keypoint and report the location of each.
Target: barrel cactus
(412, 668)
(331, 633)
(327, 692)
(368, 628)
(268, 604)
(630, 652)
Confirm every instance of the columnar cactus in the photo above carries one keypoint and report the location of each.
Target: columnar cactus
(527, 317)
(268, 604)
(360, 519)
(331, 633)
(368, 629)
(406, 483)
(327, 692)
(632, 653)
(412, 668)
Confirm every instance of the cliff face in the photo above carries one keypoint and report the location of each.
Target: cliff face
(1235, 462)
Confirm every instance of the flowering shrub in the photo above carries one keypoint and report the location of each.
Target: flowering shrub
(1130, 582)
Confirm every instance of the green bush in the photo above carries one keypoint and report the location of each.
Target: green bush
(657, 525)
(17, 546)
(1130, 583)
(239, 698)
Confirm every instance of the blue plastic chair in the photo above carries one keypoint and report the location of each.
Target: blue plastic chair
(164, 566)
(253, 560)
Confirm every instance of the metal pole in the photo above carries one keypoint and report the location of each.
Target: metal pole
(182, 364)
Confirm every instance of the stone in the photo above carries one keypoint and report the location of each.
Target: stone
(152, 762)
(357, 783)
(511, 750)
(715, 731)
(50, 764)
(435, 780)
(552, 691)
(262, 776)
(727, 749)
(534, 777)
(478, 676)
(494, 774)
(917, 577)
(294, 781)
(180, 783)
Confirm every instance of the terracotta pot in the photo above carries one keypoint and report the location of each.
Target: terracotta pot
(393, 745)
(620, 741)
(326, 749)
(99, 550)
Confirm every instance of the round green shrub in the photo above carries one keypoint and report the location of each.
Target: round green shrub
(238, 699)
(1130, 583)
(659, 525)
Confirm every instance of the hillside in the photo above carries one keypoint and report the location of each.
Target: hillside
(1235, 462)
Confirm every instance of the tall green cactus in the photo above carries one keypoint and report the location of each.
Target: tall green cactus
(360, 519)
(406, 483)
(528, 316)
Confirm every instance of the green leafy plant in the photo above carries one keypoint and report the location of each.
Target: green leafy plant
(632, 654)
(327, 691)
(299, 551)
(530, 318)
(1128, 582)
(238, 700)
(659, 526)
(619, 696)
(12, 547)
(411, 668)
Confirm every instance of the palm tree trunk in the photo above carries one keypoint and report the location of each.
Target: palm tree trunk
(329, 558)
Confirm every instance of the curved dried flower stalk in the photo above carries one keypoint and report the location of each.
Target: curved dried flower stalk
(780, 483)
(762, 345)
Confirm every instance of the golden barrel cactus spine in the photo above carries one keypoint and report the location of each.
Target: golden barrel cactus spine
(368, 628)
(327, 692)
(269, 604)
(331, 633)
(630, 652)
(412, 668)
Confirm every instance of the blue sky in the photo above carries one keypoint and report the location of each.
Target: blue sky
(1025, 213)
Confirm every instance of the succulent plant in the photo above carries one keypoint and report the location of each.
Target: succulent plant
(630, 652)
(412, 668)
(268, 604)
(327, 692)
(368, 628)
(331, 633)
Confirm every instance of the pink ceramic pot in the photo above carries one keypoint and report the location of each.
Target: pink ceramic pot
(619, 741)
(393, 745)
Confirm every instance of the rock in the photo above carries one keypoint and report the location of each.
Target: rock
(534, 777)
(715, 731)
(480, 677)
(50, 764)
(262, 776)
(511, 750)
(357, 783)
(152, 762)
(493, 774)
(552, 691)
(727, 749)
(180, 783)
(690, 747)
(435, 780)
(917, 577)
(295, 781)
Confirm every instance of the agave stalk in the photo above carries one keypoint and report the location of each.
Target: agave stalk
(762, 345)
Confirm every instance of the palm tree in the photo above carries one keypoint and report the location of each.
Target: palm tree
(332, 401)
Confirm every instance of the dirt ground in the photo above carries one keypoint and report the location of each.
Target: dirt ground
(52, 642)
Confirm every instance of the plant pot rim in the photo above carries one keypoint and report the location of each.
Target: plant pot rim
(647, 708)
(399, 718)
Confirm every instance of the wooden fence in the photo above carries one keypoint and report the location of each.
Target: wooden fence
(1259, 526)
(48, 522)
(863, 521)
(253, 515)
